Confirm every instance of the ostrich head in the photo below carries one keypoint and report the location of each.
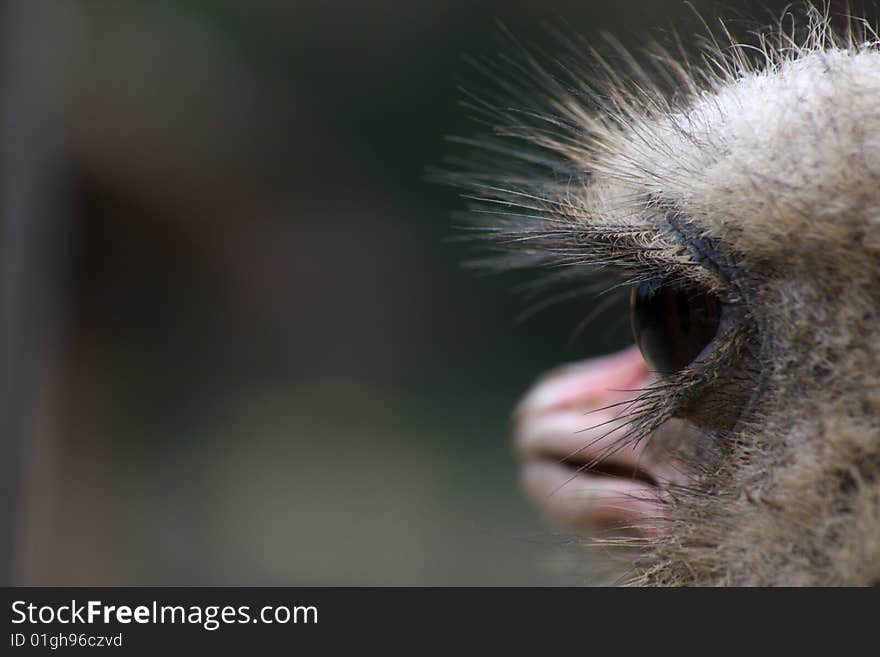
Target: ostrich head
(736, 197)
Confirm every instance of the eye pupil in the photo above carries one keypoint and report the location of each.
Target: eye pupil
(672, 324)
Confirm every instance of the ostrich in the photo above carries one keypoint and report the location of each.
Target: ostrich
(735, 196)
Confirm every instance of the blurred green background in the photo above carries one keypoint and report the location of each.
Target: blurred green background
(264, 362)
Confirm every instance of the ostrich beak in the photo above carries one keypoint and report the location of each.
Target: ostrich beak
(568, 432)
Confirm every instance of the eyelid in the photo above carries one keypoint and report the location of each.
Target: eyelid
(693, 255)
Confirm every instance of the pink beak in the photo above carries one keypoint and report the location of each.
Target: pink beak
(568, 432)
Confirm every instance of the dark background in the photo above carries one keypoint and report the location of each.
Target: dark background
(250, 350)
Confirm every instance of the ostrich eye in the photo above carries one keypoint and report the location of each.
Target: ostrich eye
(672, 324)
